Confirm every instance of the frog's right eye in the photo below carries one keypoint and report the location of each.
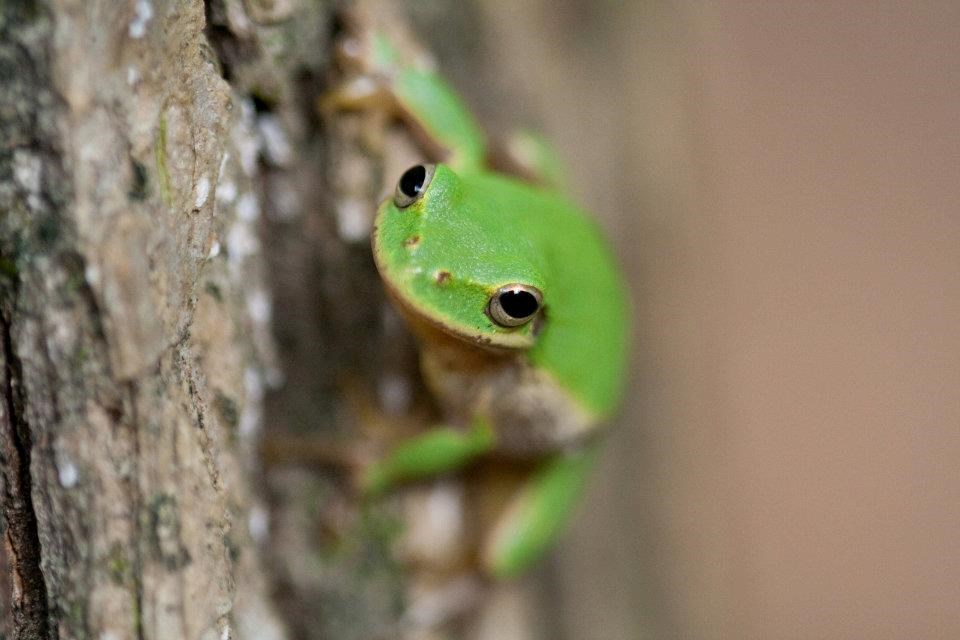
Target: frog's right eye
(514, 304)
(413, 184)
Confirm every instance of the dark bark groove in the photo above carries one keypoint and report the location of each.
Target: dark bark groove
(21, 535)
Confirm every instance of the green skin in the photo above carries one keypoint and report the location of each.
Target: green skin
(482, 231)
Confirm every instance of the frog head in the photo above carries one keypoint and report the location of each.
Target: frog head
(450, 253)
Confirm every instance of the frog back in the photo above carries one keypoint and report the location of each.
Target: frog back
(583, 339)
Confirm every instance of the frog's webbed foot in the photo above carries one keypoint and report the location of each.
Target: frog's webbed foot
(359, 93)
(403, 85)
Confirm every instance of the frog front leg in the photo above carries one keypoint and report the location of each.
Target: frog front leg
(408, 88)
(439, 450)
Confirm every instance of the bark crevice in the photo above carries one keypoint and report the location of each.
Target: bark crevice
(22, 538)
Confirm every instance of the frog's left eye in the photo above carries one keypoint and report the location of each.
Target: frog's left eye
(413, 184)
(514, 305)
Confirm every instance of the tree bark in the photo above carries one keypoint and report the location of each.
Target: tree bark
(134, 319)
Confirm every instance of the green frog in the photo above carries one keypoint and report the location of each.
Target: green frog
(517, 303)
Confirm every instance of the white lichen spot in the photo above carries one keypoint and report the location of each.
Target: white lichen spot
(353, 220)
(226, 189)
(241, 243)
(393, 391)
(245, 139)
(258, 522)
(143, 11)
(365, 85)
(276, 146)
(253, 384)
(444, 507)
(251, 414)
(226, 192)
(91, 273)
(435, 521)
(259, 306)
(68, 474)
(26, 171)
(249, 422)
(237, 19)
(223, 165)
(248, 209)
(201, 192)
(133, 76)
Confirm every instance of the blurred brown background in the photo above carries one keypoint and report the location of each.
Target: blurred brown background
(781, 180)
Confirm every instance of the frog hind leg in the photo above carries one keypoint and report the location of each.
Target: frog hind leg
(438, 451)
(432, 106)
(414, 92)
(536, 514)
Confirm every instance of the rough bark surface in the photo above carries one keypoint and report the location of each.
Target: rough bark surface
(134, 326)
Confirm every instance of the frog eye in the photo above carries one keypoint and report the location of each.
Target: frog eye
(514, 305)
(412, 185)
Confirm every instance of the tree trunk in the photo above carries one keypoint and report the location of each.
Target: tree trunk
(134, 311)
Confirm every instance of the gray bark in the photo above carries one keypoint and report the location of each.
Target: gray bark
(133, 309)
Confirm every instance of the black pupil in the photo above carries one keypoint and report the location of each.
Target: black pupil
(411, 182)
(518, 304)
